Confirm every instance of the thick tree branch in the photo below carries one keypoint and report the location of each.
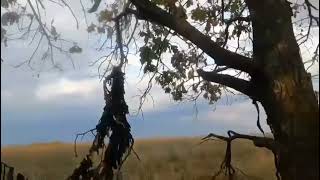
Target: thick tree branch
(240, 85)
(266, 142)
(149, 11)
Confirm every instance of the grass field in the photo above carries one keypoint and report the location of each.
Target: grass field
(161, 159)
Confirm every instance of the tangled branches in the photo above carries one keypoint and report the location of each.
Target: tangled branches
(114, 122)
(226, 165)
(31, 25)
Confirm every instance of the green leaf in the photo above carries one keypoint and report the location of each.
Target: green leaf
(91, 28)
(167, 90)
(149, 68)
(105, 16)
(146, 55)
(176, 95)
(146, 36)
(8, 18)
(75, 49)
(160, 45)
(199, 14)
(235, 6)
(101, 30)
(54, 33)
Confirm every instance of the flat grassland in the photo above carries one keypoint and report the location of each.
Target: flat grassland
(161, 159)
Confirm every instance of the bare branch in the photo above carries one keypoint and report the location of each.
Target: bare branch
(70, 9)
(312, 19)
(55, 2)
(254, 102)
(84, 13)
(31, 57)
(265, 142)
(75, 140)
(40, 22)
(134, 30)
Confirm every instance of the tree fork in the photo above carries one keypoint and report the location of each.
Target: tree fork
(226, 165)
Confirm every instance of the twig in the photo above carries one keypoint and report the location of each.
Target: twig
(75, 140)
(311, 19)
(134, 29)
(254, 102)
(84, 13)
(66, 4)
(268, 143)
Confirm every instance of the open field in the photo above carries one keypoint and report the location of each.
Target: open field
(161, 159)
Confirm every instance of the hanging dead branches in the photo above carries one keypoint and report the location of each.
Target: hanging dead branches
(114, 122)
(226, 166)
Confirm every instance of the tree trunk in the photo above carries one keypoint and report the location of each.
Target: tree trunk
(286, 91)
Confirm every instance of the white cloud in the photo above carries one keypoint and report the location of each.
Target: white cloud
(64, 87)
(155, 101)
(134, 61)
(6, 94)
(90, 89)
(239, 115)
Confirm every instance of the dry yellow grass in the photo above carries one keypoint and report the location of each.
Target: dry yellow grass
(161, 159)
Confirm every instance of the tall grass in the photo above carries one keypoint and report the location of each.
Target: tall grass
(161, 159)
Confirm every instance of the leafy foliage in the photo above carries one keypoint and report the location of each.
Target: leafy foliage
(91, 28)
(105, 16)
(178, 79)
(6, 3)
(199, 14)
(170, 59)
(8, 18)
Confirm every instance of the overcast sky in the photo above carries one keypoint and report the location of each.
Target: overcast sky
(58, 104)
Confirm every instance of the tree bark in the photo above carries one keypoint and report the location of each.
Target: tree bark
(286, 90)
